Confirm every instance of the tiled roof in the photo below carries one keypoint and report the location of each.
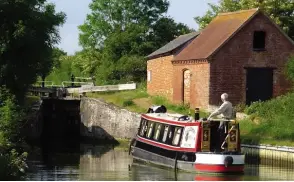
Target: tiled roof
(179, 41)
(220, 29)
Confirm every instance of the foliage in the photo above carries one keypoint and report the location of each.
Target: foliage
(108, 17)
(12, 162)
(118, 34)
(290, 68)
(272, 119)
(280, 11)
(240, 107)
(56, 55)
(128, 103)
(64, 71)
(27, 34)
(165, 30)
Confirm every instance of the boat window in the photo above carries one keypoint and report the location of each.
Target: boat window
(177, 136)
(143, 127)
(157, 131)
(150, 129)
(166, 128)
(170, 135)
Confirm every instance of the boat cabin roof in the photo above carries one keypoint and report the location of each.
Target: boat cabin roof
(169, 117)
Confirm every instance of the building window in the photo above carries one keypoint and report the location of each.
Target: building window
(259, 40)
(148, 75)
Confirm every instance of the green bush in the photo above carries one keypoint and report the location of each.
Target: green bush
(128, 103)
(240, 107)
(12, 162)
(290, 68)
(274, 118)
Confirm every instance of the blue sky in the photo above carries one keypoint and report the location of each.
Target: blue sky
(76, 10)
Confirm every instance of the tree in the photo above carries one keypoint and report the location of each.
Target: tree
(290, 68)
(56, 55)
(165, 30)
(109, 16)
(125, 31)
(27, 34)
(282, 12)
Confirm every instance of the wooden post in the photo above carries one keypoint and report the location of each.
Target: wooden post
(72, 80)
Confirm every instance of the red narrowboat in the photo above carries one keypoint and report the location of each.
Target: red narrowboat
(182, 142)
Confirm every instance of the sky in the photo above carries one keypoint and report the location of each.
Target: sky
(76, 11)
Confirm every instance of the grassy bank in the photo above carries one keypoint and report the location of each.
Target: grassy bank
(139, 101)
(268, 122)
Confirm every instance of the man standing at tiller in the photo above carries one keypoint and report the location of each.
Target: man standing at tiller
(227, 111)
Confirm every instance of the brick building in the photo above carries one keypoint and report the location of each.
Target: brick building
(241, 53)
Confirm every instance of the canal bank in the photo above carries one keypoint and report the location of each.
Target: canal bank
(95, 120)
(123, 124)
(75, 160)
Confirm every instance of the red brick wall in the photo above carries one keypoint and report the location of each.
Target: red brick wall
(199, 82)
(161, 76)
(227, 65)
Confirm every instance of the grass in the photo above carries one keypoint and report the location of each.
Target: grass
(269, 122)
(139, 101)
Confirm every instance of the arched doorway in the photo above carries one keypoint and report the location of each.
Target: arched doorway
(186, 86)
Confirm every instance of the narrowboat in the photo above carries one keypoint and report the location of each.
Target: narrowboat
(186, 143)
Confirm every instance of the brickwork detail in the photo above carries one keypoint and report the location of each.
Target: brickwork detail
(225, 71)
(187, 86)
(161, 70)
(199, 83)
(228, 73)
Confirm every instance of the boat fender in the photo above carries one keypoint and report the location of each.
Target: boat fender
(184, 157)
(228, 161)
(183, 118)
(132, 143)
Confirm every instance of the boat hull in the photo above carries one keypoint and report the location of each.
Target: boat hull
(212, 164)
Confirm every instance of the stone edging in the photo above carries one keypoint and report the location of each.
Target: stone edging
(270, 147)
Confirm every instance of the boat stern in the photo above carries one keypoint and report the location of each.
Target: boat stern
(219, 163)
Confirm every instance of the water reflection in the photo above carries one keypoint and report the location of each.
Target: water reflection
(71, 161)
(104, 163)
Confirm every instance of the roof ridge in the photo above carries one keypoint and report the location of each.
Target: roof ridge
(176, 42)
(194, 32)
(237, 12)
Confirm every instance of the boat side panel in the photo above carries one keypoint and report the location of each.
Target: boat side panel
(177, 123)
(154, 158)
(219, 159)
(199, 138)
(146, 156)
(164, 146)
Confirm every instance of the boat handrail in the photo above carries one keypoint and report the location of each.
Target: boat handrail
(177, 116)
(221, 120)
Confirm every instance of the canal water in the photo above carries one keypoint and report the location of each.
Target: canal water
(87, 162)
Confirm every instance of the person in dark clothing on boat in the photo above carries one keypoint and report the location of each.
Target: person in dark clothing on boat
(227, 112)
